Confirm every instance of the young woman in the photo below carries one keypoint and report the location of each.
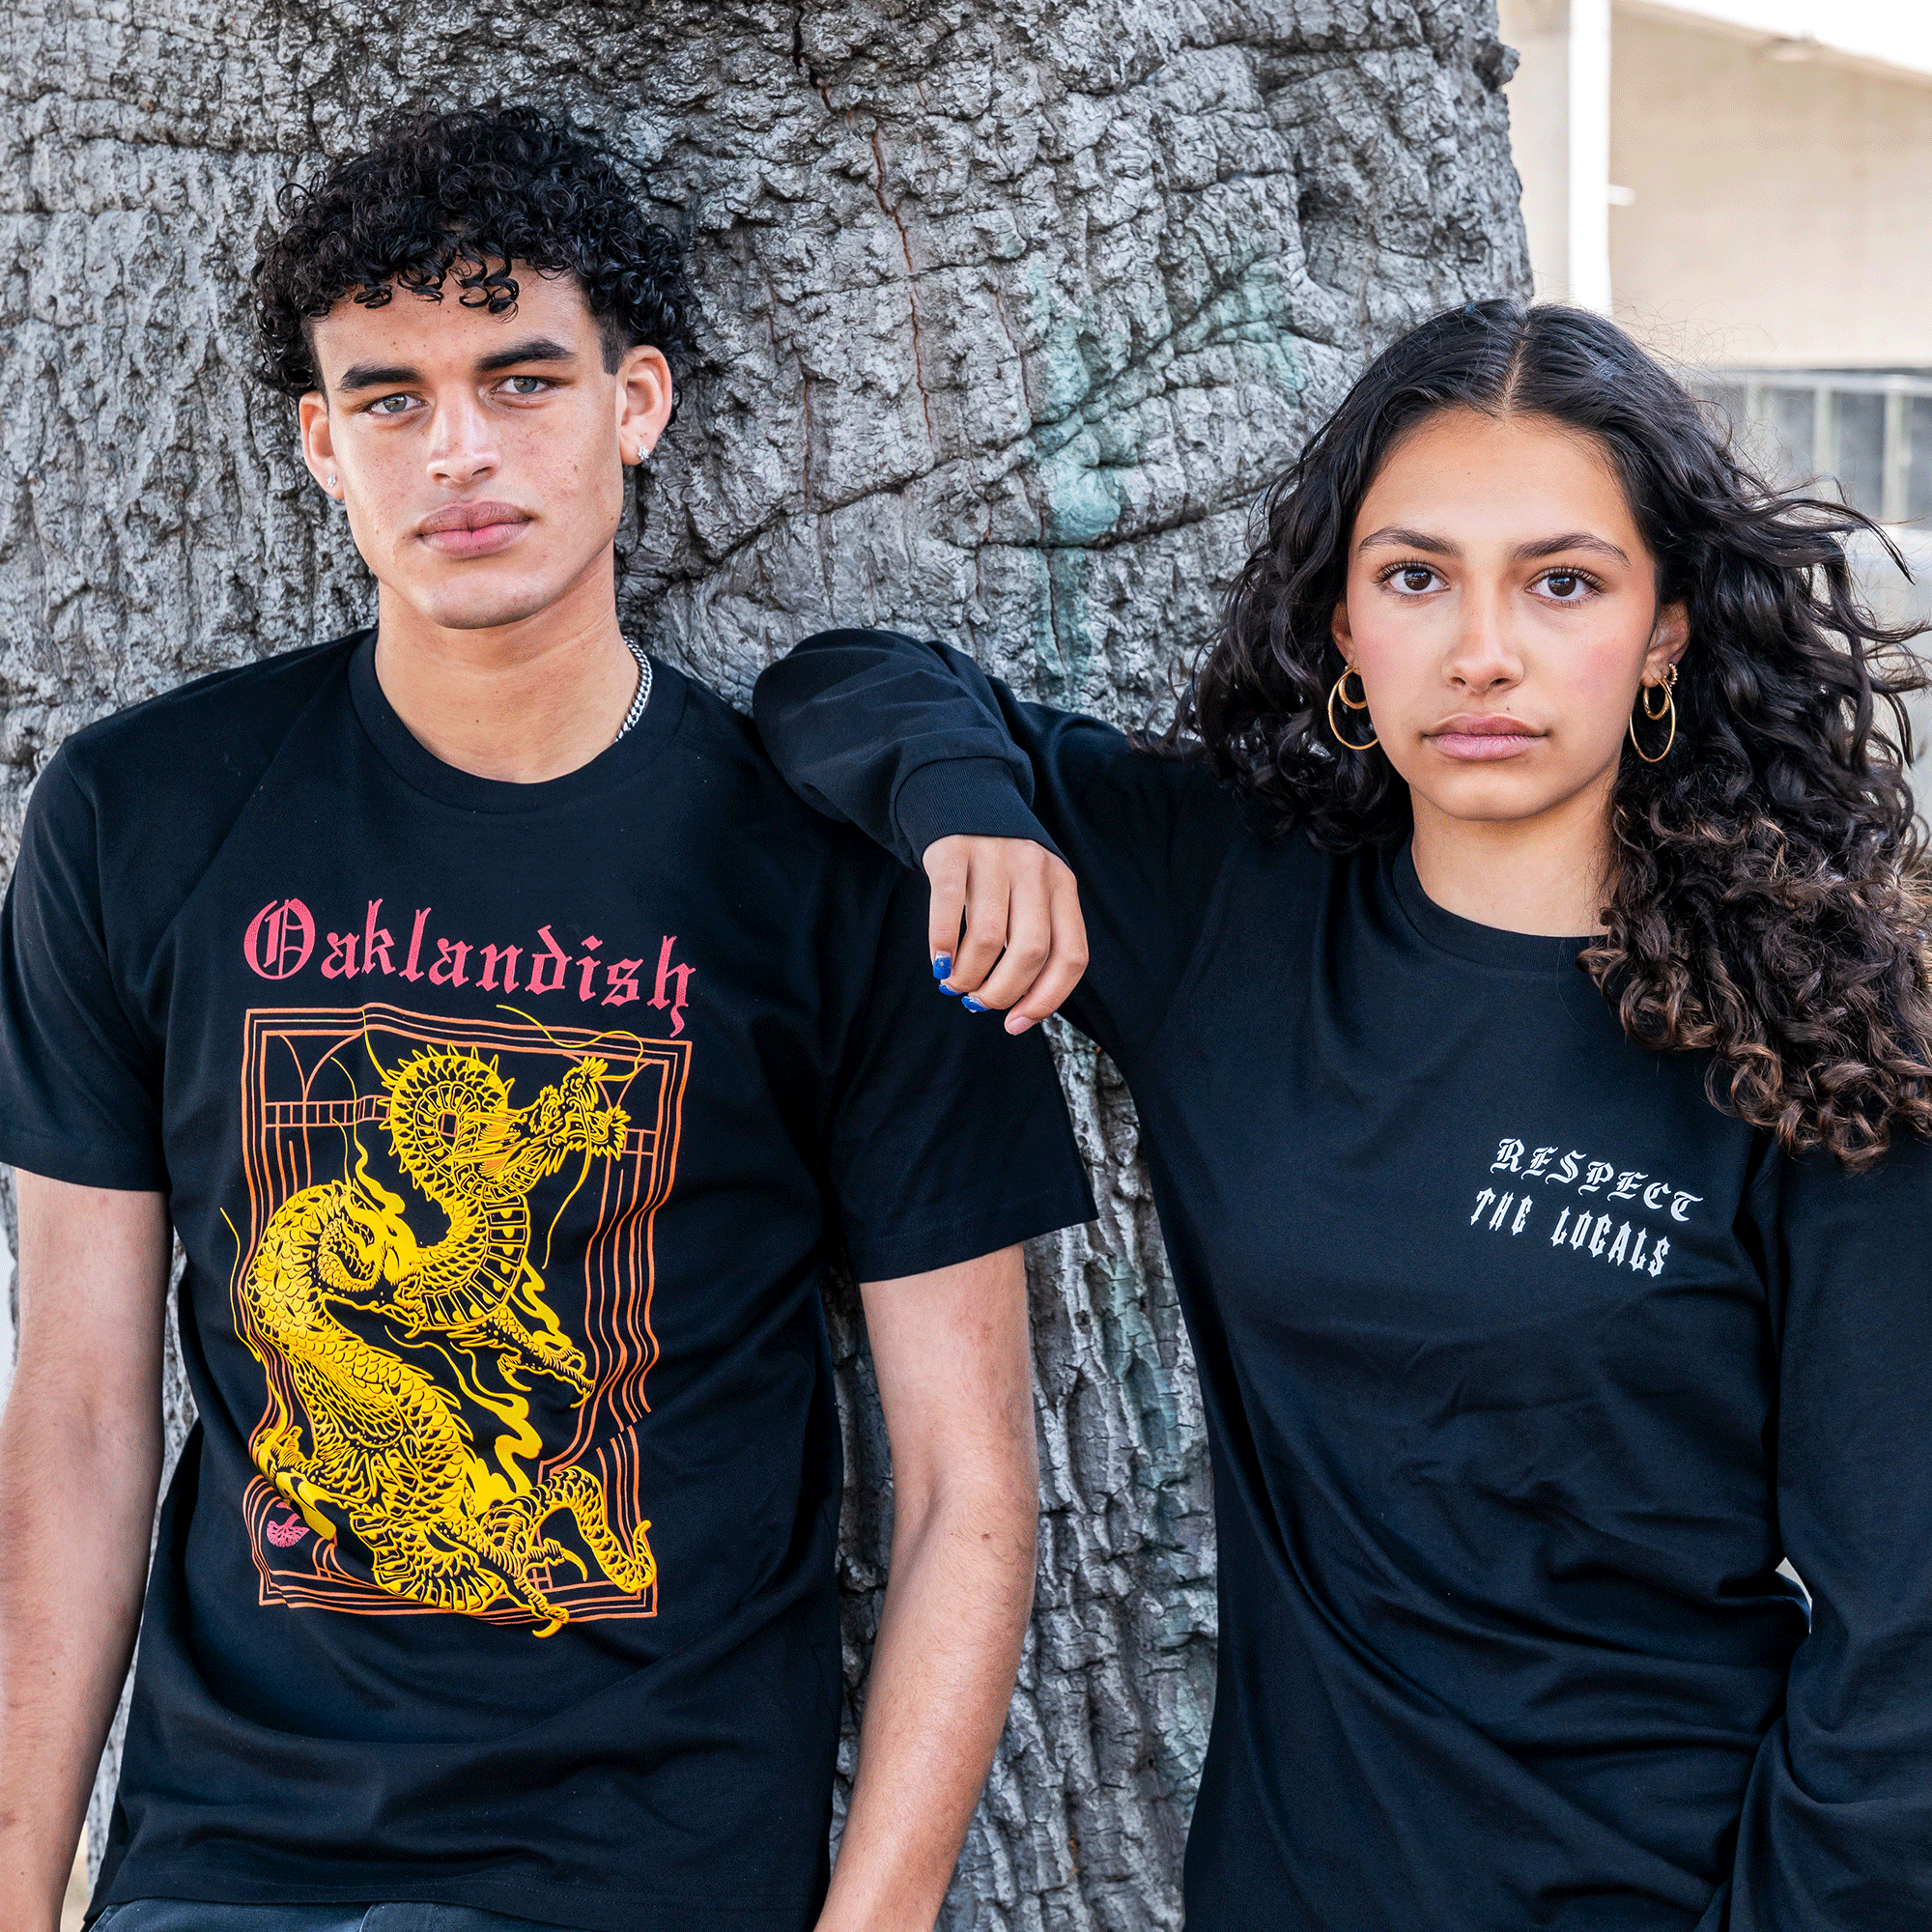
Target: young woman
(1520, 964)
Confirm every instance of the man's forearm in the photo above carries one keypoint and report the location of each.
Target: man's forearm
(942, 1676)
(76, 1507)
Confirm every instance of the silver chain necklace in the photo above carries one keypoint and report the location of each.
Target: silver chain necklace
(643, 696)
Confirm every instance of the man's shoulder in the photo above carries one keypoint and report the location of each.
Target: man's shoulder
(184, 743)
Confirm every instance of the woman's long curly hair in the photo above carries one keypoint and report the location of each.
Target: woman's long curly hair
(1766, 898)
(458, 197)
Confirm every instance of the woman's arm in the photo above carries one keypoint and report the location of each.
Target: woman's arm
(1837, 1823)
(910, 741)
(944, 766)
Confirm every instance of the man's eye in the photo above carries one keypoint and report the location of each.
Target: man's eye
(388, 406)
(527, 386)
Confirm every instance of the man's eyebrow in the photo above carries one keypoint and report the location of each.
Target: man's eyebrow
(538, 349)
(1406, 539)
(1573, 540)
(377, 376)
(400, 376)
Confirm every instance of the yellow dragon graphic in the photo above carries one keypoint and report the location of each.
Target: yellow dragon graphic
(386, 1446)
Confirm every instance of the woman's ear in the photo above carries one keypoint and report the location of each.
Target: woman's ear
(1669, 637)
(1338, 629)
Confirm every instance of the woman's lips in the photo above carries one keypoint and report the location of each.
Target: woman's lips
(1476, 739)
(473, 529)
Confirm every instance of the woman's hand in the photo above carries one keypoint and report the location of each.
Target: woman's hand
(1005, 927)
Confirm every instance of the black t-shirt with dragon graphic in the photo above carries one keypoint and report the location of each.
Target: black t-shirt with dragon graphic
(507, 1130)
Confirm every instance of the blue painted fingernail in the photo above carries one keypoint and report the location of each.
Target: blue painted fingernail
(941, 967)
(971, 1006)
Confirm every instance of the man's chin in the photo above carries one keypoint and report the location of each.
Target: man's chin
(482, 606)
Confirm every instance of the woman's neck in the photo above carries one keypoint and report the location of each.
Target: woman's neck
(1545, 875)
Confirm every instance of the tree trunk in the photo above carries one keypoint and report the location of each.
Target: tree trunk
(1008, 311)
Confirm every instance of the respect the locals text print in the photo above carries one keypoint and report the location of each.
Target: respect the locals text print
(1590, 1208)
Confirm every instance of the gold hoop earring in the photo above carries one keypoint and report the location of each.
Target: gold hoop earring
(1340, 691)
(1670, 711)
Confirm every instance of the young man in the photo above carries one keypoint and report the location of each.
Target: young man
(508, 1049)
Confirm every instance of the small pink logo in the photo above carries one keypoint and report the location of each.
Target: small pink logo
(287, 1533)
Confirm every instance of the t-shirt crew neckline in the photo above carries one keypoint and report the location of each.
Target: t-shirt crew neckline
(1483, 945)
(419, 766)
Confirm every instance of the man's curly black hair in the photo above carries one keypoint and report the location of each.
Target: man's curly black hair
(460, 196)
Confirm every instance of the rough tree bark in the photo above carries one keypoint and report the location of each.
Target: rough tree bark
(1010, 307)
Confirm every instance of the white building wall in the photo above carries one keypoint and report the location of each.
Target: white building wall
(1783, 208)
(1539, 104)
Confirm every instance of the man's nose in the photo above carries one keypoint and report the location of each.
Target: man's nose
(465, 452)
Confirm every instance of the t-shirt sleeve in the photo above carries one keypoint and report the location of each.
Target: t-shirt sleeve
(948, 1138)
(80, 1079)
(912, 742)
(1837, 1822)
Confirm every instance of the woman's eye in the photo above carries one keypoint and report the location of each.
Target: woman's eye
(1567, 586)
(1415, 578)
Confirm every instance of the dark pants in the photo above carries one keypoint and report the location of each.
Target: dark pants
(188, 1915)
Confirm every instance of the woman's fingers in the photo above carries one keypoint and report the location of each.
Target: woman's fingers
(988, 885)
(1066, 960)
(945, 867)
(1028, 938)
(1006, 928)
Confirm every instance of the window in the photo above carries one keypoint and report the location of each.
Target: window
(1866, 436)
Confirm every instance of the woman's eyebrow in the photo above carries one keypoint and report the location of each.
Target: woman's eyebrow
(1574, 540)
(1400, 537)
(1407, 539)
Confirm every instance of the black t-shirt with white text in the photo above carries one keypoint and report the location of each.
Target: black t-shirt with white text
(507, 1130)
(1523, 1369)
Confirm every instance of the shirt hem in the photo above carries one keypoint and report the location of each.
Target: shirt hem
(569, 1906)
(58, 1160)
(948, 1244)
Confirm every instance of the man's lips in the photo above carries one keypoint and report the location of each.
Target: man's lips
(1481, 738)
(472, 529)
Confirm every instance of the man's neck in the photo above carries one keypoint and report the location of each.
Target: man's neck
(521, 703)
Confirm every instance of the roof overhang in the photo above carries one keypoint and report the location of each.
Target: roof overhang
(1892, 39)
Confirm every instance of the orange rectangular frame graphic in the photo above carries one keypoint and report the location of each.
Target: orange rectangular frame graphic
(279, 1160)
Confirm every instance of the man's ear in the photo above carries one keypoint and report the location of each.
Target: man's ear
(318, 441)
(645, 399)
